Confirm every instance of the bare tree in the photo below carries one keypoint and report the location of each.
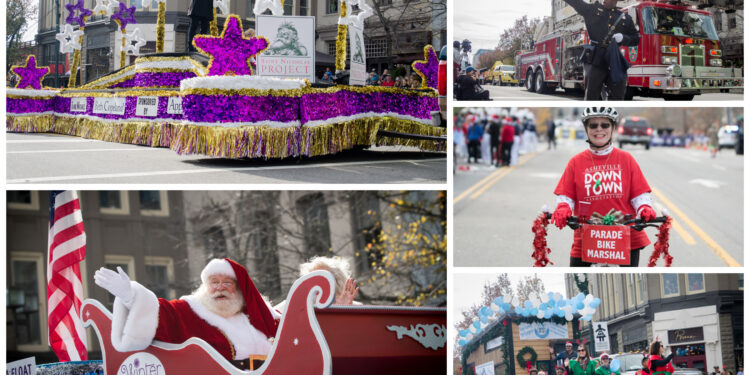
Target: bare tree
(17, 17)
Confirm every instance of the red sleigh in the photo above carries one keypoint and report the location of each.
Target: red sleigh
(313, 338)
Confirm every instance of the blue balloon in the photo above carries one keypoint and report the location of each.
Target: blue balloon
(485, 311)
(498, 301)
(560, 313)
(579, 306)
(462, 342)
(528, 304)
(614, 365)
(547, 314)
(580, 297)
(484, 319)
(561, 303)
(551, 296)
(477, 325)
(595, 303)
(463, 332)
(587, 317)
(500, 311)
(506, 306)
(543, 306)
(533, 312)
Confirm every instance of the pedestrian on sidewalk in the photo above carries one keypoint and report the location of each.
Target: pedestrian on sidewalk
(551, 136)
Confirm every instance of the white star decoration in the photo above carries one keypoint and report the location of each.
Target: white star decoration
(359, 19)
(222, 5)
(296, 341)
(68, 38)
(137, 37)
(112, 6)
(102, 7)
(273, 5)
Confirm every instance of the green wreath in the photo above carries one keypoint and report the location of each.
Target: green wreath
(521, 356)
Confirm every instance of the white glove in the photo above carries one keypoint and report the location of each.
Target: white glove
(618, 37)
(117, 283)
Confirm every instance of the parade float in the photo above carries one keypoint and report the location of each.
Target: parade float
(313, 338)
(518, 334)
(215, 103)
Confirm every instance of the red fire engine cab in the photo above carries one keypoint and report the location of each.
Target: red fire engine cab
(678, 56)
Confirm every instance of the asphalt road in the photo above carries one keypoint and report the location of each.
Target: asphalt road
(494, 208)
(53, 159)
(519, 93)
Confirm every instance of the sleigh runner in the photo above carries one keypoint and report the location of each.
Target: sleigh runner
(313, 337)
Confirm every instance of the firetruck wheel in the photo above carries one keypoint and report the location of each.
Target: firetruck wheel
(685, 97)
(541, 87)
(629, 93)
(530, 81)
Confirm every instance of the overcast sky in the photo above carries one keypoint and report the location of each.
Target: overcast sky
(482, 21)
(467, 288)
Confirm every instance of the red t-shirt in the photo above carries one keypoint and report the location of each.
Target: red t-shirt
(621, 180)
(507, 133)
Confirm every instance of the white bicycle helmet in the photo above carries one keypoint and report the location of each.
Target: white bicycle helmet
(608, 112)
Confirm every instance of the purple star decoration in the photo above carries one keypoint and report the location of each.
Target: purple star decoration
(428, 68)
(231, 51)
(124, 16)
(82, 13)
(30, 74)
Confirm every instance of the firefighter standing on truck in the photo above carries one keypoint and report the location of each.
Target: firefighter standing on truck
(605, 25)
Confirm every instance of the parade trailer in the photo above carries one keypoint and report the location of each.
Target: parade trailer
(313, 338)
(679, 56)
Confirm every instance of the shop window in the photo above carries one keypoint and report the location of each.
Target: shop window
(250, 6)
(670, 285)
(26, 301)
(22, 200)
(288, 7)
(332, 6)
(317, 228)
(114, 202)
(153, 203)
(695, 283)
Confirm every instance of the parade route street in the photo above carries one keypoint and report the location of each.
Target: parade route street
(56, 159)
(519, 93)
(494, 208)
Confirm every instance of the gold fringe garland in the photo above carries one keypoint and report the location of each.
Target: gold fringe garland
(29, 124)
(341, 41)
(411, 127)
(76, 63)
(236, 142)
(133, 132)
(214, 25)
(332, 138)
(160, 27)
(306, 90)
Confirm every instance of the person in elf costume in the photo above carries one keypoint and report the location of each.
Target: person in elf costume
(226, 311)
(603, 368)
(583, 364)
(600, 179)
(657, 363)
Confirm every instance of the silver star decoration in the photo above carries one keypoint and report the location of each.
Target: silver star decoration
(357, 20)
(222, 5)
(102, 7)
(137, 37)
(273, 5)
(112, 6)
(68, 38)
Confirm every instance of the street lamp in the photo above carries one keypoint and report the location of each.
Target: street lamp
(57, 44)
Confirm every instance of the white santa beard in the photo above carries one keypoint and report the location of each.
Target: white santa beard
(226, 308)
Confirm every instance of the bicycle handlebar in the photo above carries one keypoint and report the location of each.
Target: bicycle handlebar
(639, 224)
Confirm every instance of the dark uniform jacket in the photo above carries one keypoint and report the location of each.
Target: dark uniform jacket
(201, 8)
(599, 19)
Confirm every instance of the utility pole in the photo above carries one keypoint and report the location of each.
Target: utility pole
(57, 44)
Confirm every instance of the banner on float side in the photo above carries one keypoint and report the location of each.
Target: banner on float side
(542, 331)
(601, 337)
(357, 57)
(291, 47)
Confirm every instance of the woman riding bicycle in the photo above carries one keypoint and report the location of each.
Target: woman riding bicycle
(583, 364)
(600, 179)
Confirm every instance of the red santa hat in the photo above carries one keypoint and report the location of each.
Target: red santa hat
(255, 306)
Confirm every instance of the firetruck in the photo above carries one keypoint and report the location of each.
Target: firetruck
(678, 56)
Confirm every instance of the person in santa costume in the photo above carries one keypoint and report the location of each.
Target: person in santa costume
(600, 179)
(226, 311)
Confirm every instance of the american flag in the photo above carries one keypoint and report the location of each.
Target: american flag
(67, 247)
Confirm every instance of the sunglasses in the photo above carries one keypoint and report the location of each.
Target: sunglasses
(581, 350)
(603, 125)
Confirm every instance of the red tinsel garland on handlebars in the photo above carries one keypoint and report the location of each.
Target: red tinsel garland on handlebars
(541, 251)
(662, 245)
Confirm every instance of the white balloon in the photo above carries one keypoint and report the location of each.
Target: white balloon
(495, 307)
(545, 297)
(568, 316)
(469, 337)
(558, 296)
(540, 314)
(515, 302)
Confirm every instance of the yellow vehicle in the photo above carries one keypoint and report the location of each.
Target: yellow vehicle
(503, 74)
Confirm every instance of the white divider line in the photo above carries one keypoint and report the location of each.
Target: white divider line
(84, 150)
(215, 170)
